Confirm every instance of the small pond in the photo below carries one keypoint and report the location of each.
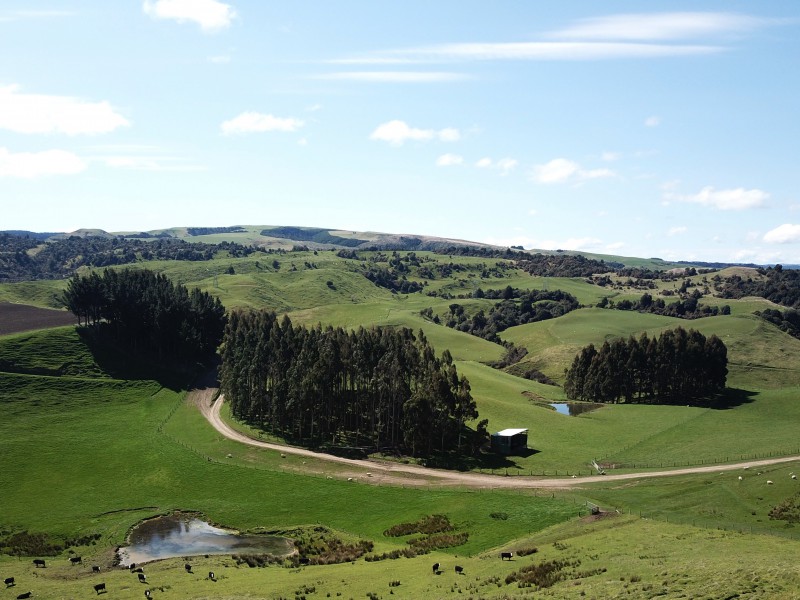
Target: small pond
(573, 409)
(186, 535)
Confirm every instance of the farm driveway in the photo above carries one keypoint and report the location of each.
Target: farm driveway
(389, 472)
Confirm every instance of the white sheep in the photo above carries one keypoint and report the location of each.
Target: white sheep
(769, 482)
(740, 477)
(794, 476)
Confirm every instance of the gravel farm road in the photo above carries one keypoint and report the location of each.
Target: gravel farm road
(397, 473)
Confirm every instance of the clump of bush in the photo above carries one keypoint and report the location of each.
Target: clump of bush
(423, 545)
(500, 516)
(257, 560)
(426, 525)
(542, 575)
(527, 551)
(393, 555)
(25, 543)
(788, 510)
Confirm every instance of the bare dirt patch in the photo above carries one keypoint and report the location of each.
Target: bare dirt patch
(23, 317)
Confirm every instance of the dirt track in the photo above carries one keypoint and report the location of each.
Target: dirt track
(388, 472)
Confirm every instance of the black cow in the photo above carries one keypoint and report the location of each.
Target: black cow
(459, 569)
(304, 560)
(142, 578)
(506, 555)
(99, 587)
(211, 576)
(132, 566)
(38, 562)
(138, 570)
(147, 593)
(25, 595)
(188, 567)
(435, 568)
(9, 581)
(95, 569)
(75, 560)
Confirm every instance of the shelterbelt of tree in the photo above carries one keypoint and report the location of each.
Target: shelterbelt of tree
(148, 313)
(376, 387)
(678, 366)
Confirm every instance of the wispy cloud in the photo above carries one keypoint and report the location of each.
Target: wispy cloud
(31, 165)
(393, 76)
(653, 121)
(220, 59)
(38, 113)
(732, 199)
(210, 15)
(528, 51)
(660, 26)
(449, 160)
(673, 231)
(503, 165)
(398, 132)
(783, 234)
(562, 170)
(253, 122)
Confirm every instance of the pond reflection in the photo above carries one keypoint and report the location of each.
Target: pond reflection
(573, 409)
(186, 535)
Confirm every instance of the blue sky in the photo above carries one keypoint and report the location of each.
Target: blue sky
(667, 129)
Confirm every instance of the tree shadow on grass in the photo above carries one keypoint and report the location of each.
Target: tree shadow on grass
(119, 362)
(731, 398)
(484, 460)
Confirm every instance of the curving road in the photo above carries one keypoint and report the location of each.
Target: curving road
(395, 473)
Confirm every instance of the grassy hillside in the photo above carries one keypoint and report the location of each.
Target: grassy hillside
(94, 440)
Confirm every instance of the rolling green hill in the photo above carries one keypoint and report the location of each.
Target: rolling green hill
(93, 440)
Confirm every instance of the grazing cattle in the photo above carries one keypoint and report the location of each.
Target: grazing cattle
(435, 567)
(132, 566)
(9, 581)
(138, 570)
(75, 560)
(459, 569)
(142, 578)
(99, 587)
(25, 595)
(304, 560)
(188, 567)
(95, 569)
(506, 555)
(38, 562)
(211, 576)
(147, 593)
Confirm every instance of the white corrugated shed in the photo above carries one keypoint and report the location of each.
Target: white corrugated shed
(510, 432)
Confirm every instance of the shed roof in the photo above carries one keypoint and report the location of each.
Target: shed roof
(510, 432)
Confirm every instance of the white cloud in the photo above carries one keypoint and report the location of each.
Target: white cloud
(504, 165)
(557, 170)
(529, 51)
(210, 15)
(610, 156)
(659, 26)
(533, 212)
(253, 122)
(449, 160)
(783, 234)
(30, 165)
(653, 121)
(37, 113)
(449, 134)
(398, 132)
(733, 199)
(562, 170)
(394, 76)
(677, 231)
